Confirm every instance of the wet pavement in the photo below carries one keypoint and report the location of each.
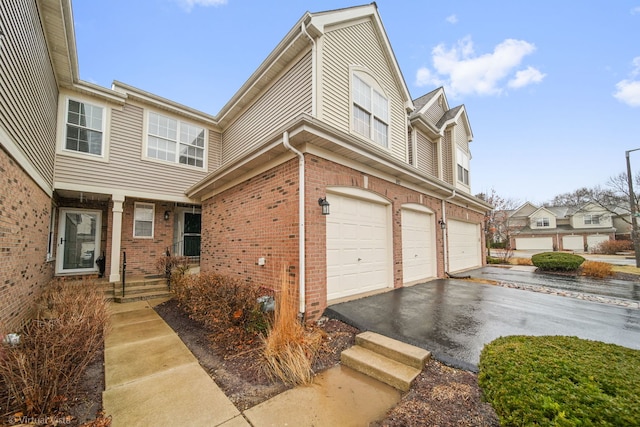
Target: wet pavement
(454, 319)
(528, 276)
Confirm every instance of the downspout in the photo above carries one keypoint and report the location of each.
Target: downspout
(445, 246)
(303, 28)
(301, 229)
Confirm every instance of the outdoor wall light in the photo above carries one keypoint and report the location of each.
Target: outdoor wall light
(322, 201)
(166, 215)
(443, 224)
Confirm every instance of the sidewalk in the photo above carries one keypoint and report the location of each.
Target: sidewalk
(151, 378)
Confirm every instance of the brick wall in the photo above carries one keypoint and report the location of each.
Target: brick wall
(255, 219)
(258, 218)
(143, 253)
(25, 212)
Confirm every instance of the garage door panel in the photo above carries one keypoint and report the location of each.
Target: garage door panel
(534, 243)
(418, 255)
(357, 247)
(574, 243)
(465, 250)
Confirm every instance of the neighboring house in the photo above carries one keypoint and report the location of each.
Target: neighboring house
(326, 118)
(560, 228)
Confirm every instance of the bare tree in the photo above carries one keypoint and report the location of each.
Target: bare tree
(496, 221)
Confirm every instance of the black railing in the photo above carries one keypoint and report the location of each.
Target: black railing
(189, 249)
(124, 270)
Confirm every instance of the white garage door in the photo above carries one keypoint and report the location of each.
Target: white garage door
(418, 255)
(595, 239)
(534, 243)
(358, 256)
(464, 245)
(573, 243)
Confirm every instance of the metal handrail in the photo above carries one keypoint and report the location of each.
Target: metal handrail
(124, 270)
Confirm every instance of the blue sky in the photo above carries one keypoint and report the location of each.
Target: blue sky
(552, 88)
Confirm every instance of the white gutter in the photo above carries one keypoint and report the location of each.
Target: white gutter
(303, 28)
(445, 246)
(301, 229)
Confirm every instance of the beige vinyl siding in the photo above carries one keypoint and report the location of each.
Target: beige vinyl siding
(285, 99)
(435, 111)
(447, 157)
(358, 45)
(126, 168)
(28, 89)
(427, 155)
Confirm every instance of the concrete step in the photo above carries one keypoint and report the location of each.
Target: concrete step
(131, 289)
(393, 349)
(382, 368)
(142, 296)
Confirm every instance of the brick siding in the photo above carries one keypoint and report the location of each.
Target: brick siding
(25, 215)
(258, 218)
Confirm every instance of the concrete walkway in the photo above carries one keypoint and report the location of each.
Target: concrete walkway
(152, 379)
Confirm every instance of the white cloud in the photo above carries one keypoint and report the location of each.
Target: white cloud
(452, 19)
(526, 77)
(635, 10)
(463, 72)
(628, 90)
(189, 4)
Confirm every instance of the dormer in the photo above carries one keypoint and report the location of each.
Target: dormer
(542, 219)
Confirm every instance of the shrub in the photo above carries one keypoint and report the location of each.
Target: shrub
(46, 366)
(173, 267)
(557, 261)
(522, 261)
(289, 347)
(612, 247)
(493, 260)
(597, 269)
(222, 302)
(560, 381)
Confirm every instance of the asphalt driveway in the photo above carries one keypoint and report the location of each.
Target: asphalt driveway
(454, 319)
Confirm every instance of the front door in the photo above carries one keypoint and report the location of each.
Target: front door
(192, 227)
(78, 241)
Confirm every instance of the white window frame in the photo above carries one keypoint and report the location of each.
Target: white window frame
(370, 110)
(543, 222)
(462, 167)
(171, 143)
(51, 240)
(102, 130)
(592, 219)
(145, 206)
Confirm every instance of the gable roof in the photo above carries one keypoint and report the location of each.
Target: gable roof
(451, 115)
(301, 37)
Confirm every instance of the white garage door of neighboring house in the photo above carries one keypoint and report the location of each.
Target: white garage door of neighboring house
(595, 239)
(464, 245)
(418, 243)
(573, 243)
(358, 246)
(534, 243)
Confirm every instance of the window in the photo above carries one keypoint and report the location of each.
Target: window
(143, 220)
(542, 222)
(463, 167)
(591, 219)
(85, 127)
(370, 112)
(174, 141)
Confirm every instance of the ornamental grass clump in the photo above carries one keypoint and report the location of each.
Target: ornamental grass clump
(597, 269)
(560, 381)
(557, 261)
(42, 370)
(289, 347)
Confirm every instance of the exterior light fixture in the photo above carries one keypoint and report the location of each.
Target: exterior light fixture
(166, 215)
(322, 201)
(443, 224)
